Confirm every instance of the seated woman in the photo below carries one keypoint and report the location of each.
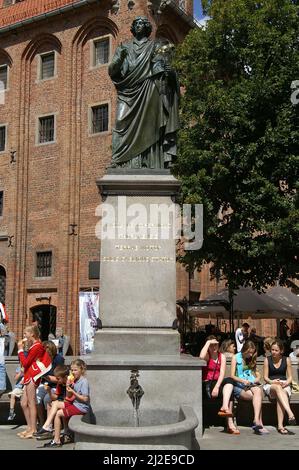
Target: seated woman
(228, 348)
(212, 376)
(278, 379)
(247, 381)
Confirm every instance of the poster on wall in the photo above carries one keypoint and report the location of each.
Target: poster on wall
(89, 315)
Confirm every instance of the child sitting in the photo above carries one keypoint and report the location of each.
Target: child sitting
(76, 403)
(61, 374)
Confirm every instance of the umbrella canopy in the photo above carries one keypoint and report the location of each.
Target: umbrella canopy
(248, 301)
(285, 296)
(207, 311)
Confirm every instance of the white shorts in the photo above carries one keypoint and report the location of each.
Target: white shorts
(17, 392)
(267, 388)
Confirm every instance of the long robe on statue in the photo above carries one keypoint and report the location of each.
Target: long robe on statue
(147, 108)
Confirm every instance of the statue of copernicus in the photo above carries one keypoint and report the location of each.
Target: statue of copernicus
(147, 106)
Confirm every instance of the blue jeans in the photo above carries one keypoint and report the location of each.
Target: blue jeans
(2, 377)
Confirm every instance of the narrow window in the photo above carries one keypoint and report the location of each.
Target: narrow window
(46, 129)
(44, 264)
(2, 138)
(3, 77)
(1, 203)
(101, 52)
(47, 65)
(100, 118)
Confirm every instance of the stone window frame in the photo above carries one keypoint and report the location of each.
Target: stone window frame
(90, 116)
(6, 138)
(37, 142)
(40, 251)
(92, 41)
(40, 63)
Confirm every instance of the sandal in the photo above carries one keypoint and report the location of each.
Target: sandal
(285, 432)
(233, 431)
(292, 421)
(22, 433)
(225, 413)
(260, 431)
(256, 427)
(28, 435)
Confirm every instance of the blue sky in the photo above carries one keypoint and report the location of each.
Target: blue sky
(197, 9)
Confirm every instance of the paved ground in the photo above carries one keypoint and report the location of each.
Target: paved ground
(214, 439)
(10, 441)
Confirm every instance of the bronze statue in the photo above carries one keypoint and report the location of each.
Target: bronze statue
(147, 108)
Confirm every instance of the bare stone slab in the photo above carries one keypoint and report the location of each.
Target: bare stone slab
(137, 341)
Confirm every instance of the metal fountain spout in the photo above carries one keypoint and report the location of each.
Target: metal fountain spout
(135, 391)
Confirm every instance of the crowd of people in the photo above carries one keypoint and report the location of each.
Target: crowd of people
(50, 392)
(245, 381)
(192, 342)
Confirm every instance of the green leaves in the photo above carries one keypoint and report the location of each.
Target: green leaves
(239, 142)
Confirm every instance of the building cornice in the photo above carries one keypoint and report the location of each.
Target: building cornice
(162, 5)
(46, 15)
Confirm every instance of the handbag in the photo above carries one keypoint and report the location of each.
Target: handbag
(210, 384)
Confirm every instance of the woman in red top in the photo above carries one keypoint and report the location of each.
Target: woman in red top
(213, 377)
(28, 402)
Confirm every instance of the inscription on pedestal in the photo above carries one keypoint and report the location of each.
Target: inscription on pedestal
(138, 269)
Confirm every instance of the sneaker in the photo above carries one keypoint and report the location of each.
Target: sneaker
(53, 444)
(11, 416)
(67, 439)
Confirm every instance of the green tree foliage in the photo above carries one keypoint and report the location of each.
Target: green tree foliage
(239, 142)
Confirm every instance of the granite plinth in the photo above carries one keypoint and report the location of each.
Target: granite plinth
(137, 341)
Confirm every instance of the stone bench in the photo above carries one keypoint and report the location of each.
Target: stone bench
(243, 410)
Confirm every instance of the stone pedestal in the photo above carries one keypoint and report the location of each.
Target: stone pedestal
(138, 266)
(133, 341)
(138, 299)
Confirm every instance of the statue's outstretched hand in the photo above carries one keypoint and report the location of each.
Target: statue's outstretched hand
(123, 53)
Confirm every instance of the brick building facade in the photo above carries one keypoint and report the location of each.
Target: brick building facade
(53, 145)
